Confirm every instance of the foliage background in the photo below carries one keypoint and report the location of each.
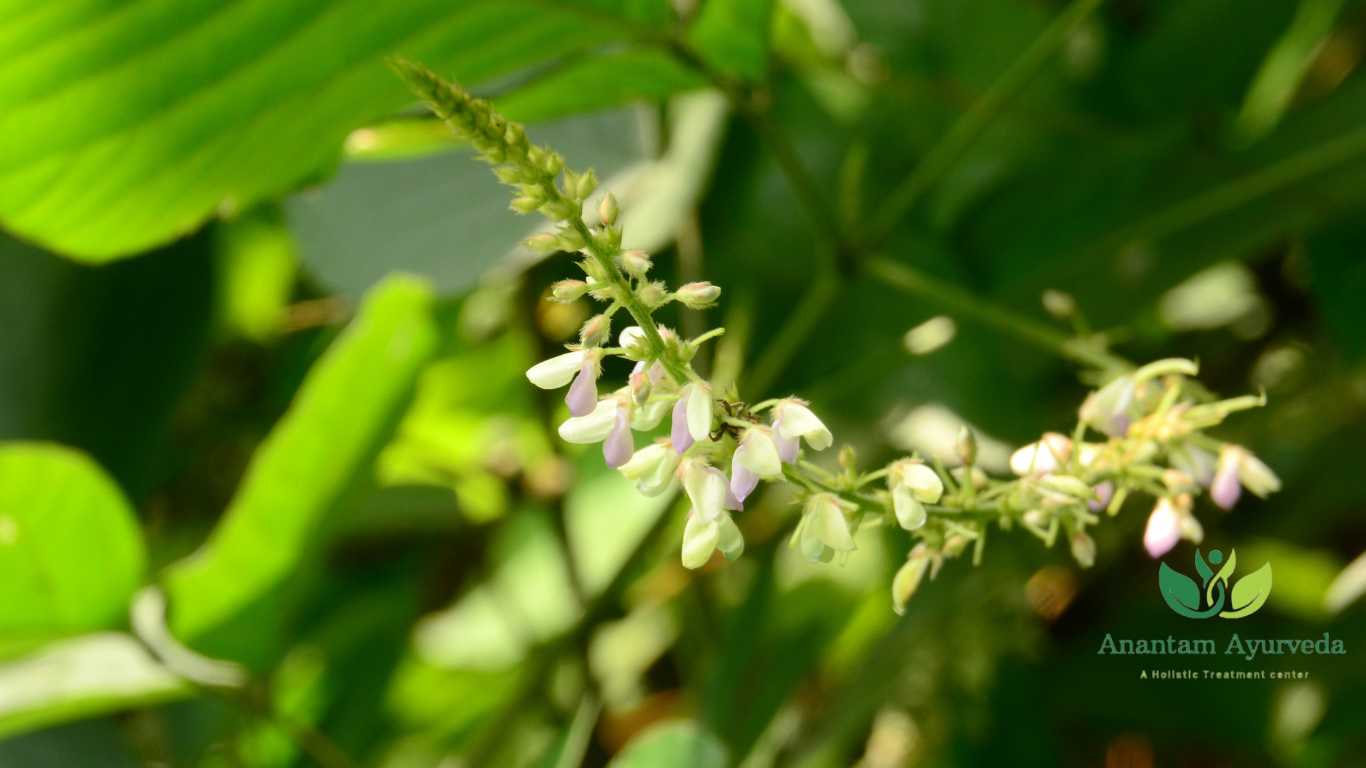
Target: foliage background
(206, 207)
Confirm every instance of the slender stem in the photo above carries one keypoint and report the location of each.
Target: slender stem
(977, 119)
(957, 301)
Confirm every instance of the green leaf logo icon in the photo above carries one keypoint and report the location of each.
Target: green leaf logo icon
(1217, 594)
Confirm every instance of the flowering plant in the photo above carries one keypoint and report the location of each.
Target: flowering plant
(1143, 432)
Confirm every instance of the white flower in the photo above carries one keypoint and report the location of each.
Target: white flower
(706, 488)
(824, 530)
(632, 340)
(758, 454)
(557, 371)
(652, 468)
(913, 485)
(1107, 409)
(793, 420)
(594, 427)
(1046, 455)
(908, 577)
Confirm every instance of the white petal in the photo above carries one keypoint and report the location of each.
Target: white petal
(759, 455)
(729, 541)
(706, 488)
(644, 461)
(1041, 457)
(699, 411)
(648, 416)
(924, 482)
(910, 513)
(699, 541)
(828, 524)
(557, 371)
(593, 428)
(796, 420)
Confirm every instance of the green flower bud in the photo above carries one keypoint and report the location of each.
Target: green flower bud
(698, 295)
(908, 578)
(585, 184)
(1083, 549)
(635, 262)
(565, 291)
(595, 331)
(607, 209)
(525, 204)
(543, 243)
(652, 295)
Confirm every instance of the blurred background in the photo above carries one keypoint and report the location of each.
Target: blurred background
(265, 326)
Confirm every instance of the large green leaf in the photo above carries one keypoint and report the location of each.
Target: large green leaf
(82, 677)
(733, 35)
(125, 124)
(70, 550)
(226, 598)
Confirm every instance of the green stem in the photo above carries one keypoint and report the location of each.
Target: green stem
(957, 301)
(976, 120)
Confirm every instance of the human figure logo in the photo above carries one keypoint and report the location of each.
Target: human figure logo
(1216, 594)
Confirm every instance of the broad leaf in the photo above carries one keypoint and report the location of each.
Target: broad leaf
(225, 600)
(71, 554)
(732, 35)
(120, 130)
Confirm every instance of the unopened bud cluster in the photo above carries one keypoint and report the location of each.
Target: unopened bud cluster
(1141, 433)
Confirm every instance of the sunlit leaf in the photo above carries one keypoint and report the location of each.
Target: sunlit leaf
(71, 554)
(225, 599)
(672, 745)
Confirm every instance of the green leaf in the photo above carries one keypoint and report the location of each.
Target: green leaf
(680, 744)
(600, 82)
(59, 515)
(1179, 590)
(1249, 593)
(82, 677)
(122, 130)
(225, 600)
(732, 35)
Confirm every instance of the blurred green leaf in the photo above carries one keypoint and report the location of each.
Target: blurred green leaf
(600, 82)
(123, 134)
(59, 514)
(81, 677)
(732, 35)
(226, 600)
(257, 264)
(680, 744)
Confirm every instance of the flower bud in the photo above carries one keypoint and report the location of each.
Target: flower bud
(525, 203)
(1035, 518)
(566, 291)
(1107, 409)
(1163, 529)
(908, 577)
(652, 295)
(697, 295)
(552, 163)
(1059, 304)
(543, 243)
(966, 446)
(595, 330)
(607, 209)
(570, 240)
(632, 340)
(635, 262)
(1068, 486)
(1083, 549)
(1104, 491)
(585, 184)
(1256, 476)
(556, 371)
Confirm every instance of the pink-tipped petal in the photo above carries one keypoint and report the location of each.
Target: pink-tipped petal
(583, 393)
(678, 432)
(787, 447)
(742, 481)
(1225, 489)
(1104, 492)
(1163, 531)
(618, 447)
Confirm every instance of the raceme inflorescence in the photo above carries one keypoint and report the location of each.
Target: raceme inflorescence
(1143, 432)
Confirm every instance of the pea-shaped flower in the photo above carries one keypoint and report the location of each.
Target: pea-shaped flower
(1045, 455)
(556, 371)
(755, 459)
(593, 427)
(702, 537)
(691, 416)
(652, 468)
(1238, 469)
(793, 420)
(913, 485)
(824, 530)
(1107, 409)
(1163, 529)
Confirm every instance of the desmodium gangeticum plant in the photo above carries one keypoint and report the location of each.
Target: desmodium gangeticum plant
(1143, 432)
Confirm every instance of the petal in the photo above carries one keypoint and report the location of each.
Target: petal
(699, 411)
(645, 461)
(648, 416)
(678, 433)
(1225, 489)
(742, 481)
(706, 488)
(910, 513)
(907, 580)
(794, 419)
(1257, 476)
(787, 447)
(830, 526)
(759, 455)
(583, 393)
(699, 541)
(729, 541)
(556, 371)
(619, 446)
(1163, 529)
(923, 481)
(593, 428)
